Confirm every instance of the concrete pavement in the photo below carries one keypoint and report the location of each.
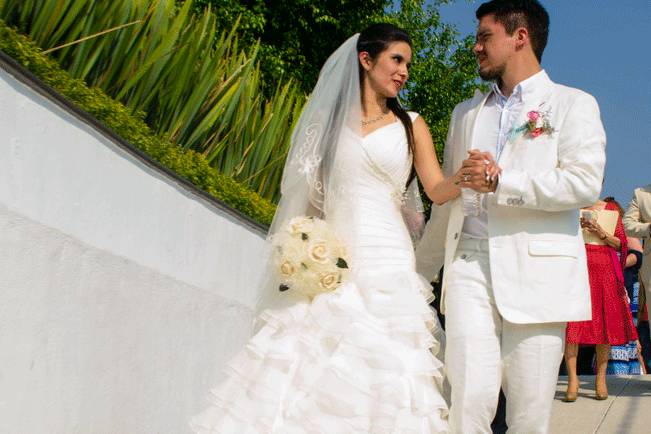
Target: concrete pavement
(626, 411)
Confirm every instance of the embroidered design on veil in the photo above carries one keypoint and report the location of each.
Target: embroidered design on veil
(308, 161)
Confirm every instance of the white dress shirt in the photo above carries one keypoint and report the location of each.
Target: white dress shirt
(495, 121)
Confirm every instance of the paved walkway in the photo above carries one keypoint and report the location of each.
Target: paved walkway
(627, 409)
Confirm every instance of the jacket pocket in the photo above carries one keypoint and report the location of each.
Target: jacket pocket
(553, 248)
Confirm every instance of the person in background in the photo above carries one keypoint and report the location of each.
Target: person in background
(625, 359)
(637, 223)
(631, 270)
(643, 329)
(611, 322)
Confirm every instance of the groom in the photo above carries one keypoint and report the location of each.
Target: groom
(515, 266)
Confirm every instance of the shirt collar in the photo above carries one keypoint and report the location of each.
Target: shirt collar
(524, 88)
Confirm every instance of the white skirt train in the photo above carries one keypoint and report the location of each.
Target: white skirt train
(361, 359)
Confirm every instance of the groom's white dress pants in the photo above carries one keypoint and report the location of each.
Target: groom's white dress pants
(485, 352)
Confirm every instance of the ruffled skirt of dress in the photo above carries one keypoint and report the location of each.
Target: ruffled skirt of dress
(357, 360)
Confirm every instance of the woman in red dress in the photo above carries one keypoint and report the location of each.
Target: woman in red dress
(612, 323)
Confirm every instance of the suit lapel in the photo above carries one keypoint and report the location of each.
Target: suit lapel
(455, 222)
(471, 118)
(644, 204)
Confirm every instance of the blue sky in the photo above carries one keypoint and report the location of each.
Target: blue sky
(602, 47)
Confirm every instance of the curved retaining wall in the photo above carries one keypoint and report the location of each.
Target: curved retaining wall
(123, 290)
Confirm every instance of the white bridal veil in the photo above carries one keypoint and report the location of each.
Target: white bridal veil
(335, 103)
(309, 184)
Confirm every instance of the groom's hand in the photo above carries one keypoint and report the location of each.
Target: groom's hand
(479, 172)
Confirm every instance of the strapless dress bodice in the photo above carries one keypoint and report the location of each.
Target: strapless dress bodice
(373, 171)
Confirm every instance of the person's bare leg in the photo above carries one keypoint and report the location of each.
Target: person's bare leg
(603, 353)
(571, 353)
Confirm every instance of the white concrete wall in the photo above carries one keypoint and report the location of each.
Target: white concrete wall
(122, 294)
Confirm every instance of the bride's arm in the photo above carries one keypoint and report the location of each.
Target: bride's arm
(438, 188)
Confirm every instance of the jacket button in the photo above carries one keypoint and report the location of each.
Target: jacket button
(456, 235)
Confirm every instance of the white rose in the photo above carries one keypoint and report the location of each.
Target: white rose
(328, 281)
(287, 269)
(294, 251)
(301, 225)
(318, 251)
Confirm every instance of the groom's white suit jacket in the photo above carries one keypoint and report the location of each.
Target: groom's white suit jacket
(537, 255)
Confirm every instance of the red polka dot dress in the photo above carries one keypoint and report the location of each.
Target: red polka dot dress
(611, 322)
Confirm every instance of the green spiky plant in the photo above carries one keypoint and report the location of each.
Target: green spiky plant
(191, 81)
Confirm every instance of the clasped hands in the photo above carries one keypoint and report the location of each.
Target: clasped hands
(478, 172)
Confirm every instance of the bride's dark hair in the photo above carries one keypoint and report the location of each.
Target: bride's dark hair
(374, 40)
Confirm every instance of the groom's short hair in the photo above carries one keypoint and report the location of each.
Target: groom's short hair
(520, 13)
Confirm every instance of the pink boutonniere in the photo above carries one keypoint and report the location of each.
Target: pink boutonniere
(537, 124)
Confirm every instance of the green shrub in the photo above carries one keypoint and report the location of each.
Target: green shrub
(192, 79)
(186, 163)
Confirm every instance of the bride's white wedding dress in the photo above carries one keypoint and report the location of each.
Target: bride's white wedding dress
(357, 360)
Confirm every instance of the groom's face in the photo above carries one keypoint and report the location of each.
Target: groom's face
(493, 48)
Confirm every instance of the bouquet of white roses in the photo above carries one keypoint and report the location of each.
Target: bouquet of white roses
(309, 257)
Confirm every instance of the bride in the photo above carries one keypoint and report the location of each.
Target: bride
(362, 358)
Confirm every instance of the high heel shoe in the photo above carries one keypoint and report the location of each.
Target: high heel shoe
(600, 393)
(571, 394)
